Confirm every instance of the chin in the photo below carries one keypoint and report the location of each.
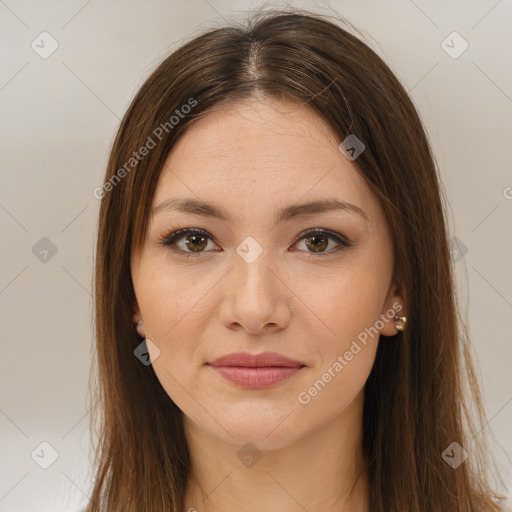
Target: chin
(270, 433)
(269, 428)
(262, 437)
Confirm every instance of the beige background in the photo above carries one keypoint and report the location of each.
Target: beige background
(59, 115)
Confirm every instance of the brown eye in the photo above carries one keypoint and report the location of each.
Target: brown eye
(196, 243)
(187, 241)
(317, 243)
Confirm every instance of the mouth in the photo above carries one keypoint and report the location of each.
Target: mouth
(256, 371)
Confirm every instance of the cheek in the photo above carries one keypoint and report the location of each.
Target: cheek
(345, 350)
(348, 308)
(345, 304)
(169, 301)
(345, 358)
(336, 386)
(173, 315)
(175, 318)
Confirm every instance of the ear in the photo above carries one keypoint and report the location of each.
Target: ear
(394, 306)
(137, 320)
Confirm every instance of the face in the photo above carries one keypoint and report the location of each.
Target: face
(261, 272)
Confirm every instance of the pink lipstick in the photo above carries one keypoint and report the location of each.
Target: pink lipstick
(256, 371)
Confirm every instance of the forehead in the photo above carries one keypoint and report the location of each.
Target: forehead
(256, 130)
(259, 152)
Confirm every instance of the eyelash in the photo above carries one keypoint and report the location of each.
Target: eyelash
(169, 240)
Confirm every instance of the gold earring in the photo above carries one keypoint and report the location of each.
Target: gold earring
(400, 327)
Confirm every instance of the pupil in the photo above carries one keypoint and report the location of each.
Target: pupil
(317, 243)
(317, 246)
(194, 247)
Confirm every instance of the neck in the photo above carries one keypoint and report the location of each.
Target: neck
(322, 470)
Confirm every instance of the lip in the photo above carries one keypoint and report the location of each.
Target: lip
(256, 371)
(265, 359)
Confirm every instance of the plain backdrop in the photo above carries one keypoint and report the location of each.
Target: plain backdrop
(59, 114)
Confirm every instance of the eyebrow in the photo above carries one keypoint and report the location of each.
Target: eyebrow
(197, 207)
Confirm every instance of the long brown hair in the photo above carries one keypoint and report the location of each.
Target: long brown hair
(415, 403)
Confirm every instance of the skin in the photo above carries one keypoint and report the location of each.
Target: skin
(253, 158)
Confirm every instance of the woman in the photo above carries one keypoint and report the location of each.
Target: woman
(271, 225)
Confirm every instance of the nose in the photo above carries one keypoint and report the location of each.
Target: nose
(256, 296)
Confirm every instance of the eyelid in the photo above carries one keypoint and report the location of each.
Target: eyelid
(176, 233)
(340, 239)
(322, 231)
